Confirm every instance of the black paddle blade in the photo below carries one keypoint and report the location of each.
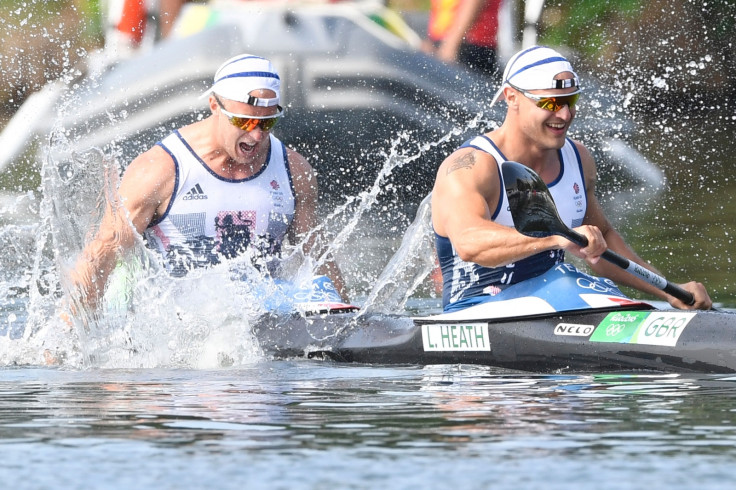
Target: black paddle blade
(535, 214)
(532, 208)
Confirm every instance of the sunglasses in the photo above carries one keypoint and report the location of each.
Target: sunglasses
(551, 103)
(249, 123)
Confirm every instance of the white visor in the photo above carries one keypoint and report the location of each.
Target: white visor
(241, 75)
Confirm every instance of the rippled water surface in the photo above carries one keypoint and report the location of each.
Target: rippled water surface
(177, 422)
(307, 424)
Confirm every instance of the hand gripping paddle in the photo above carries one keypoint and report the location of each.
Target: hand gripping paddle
(535, 214)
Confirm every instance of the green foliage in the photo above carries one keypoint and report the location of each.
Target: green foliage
(16, 13)
(582, 24)
(722, 17)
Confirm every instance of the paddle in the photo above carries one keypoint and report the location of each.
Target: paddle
(535, 214)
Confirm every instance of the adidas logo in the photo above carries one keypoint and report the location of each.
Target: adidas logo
(195, 192)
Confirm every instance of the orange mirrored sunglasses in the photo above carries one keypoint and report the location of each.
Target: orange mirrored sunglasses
(249, 123)
(552, 103)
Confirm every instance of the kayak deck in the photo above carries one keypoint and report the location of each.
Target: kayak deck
(600, 340)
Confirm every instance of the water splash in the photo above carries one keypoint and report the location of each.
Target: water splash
(152, 320)
(186, 325)
(406, 270)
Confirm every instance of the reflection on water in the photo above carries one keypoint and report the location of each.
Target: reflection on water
(314, 423)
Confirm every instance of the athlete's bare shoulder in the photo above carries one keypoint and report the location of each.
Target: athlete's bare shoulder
(298, 164)
(464, 160)
(154, 157)
(461, 160)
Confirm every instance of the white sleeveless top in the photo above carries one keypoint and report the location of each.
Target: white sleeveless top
(568, 189)
(210, 218)
(466, 283)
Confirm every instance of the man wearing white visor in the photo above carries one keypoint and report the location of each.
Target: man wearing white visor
(213, 189)
(480, 252)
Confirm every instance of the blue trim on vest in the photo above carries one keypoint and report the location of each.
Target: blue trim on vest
(495, 146)
(500, 176)
(501, 192)
(580, 167)
(467, 144)
(220, 177)
(562, 170)
(176, 187)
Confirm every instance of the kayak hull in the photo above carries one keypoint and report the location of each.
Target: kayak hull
(600, 340)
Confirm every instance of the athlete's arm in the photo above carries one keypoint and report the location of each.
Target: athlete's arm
(465, 196)
(305, 215)
(596, 217)
(146, 187)
(466, 15)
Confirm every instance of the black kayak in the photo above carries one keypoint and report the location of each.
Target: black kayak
(561, 320)
(592, 340)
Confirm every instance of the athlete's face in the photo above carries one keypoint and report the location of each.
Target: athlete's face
(243, 145)
(544, 126)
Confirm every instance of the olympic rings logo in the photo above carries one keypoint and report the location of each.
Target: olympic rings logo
(614, 329)
(596, 286)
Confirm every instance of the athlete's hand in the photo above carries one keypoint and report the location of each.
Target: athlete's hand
(66, 312)
(592, 252)
(702, 299)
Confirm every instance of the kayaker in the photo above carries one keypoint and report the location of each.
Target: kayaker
(212, 190)
(480, 253)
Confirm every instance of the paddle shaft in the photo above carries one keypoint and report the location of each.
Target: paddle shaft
(633, 268)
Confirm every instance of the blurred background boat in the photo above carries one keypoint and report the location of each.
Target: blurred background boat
(355, 83)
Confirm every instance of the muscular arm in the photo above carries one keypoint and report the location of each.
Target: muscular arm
(146, 186)
(465, 195)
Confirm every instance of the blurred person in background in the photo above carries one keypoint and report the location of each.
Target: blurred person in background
(465, 32)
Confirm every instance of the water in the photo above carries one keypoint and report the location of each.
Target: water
(316, 425)
(188, 324)
(178, 394)
(157, 400)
